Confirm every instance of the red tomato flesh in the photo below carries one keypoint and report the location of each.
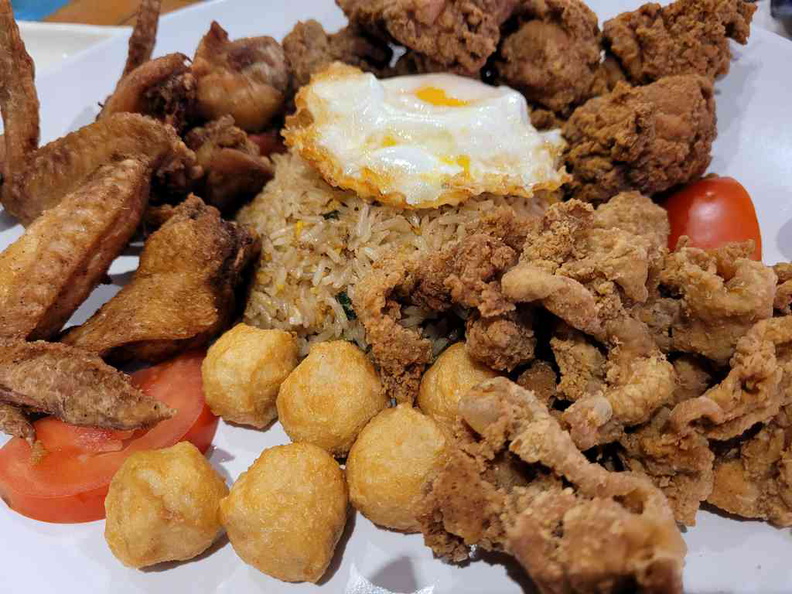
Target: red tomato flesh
(712, 212)
(70, 482)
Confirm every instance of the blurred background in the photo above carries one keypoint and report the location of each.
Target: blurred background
(89, 12)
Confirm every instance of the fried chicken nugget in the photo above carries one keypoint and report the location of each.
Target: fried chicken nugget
(641, 138)
(285, 514)
(389, 464)
(243, 372)
(330, 396)
(163, 505)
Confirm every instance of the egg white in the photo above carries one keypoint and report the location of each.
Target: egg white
(422, 141)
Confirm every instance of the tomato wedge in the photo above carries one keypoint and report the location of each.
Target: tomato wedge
(712, 212)
(70, 482)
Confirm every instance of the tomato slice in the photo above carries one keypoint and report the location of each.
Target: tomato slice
(712, 212)
(70, 482)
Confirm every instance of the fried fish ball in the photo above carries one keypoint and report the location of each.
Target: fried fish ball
(243, 371)
(445, 382)
(163, 505)
(389, 464)
(285, 514)
(330, 397)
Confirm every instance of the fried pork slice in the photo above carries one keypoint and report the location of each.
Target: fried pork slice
(679, 463)
(248, 78)
(458, 34)
(715, 297)
(77, 387)
(685, 37)
(753, 479)
(754, 390)
(573, 525)
(144, 35)
(183, 293)
(163, 89)
(18, 99)
(234, 170)
(553, 57)
(309, 49)
(48, 272)
(647, 138)
(62, 166)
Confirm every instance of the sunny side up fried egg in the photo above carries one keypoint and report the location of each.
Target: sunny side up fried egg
(421, 141)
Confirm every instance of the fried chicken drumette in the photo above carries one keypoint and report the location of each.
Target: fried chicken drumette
(516, 482)
(685, 37)
(648, 138)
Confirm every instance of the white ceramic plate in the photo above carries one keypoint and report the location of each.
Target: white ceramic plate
(754, 145)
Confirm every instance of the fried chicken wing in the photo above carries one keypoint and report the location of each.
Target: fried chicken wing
(309, 49)
(163, 89)
(183, 293)
(458, 34)
(685, 37)
(47, 273)
(62, 166)
(144, 35)
(234, 170)
(18, 99)
(553, 57)
(641, 138)
(77, 387)
(247, 78)
(597, 531)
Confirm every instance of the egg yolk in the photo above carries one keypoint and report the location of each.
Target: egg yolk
(462, 160)
(437, 96)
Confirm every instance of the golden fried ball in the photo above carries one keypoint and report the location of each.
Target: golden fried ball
(163, 505)
(285, 514)
(330, 397)
(243, 371)
(389, 463)
(445, 382)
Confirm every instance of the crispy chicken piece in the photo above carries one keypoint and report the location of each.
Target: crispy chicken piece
(458, 34)
(553, 57)
(234, 170)
(48, 272)
(685, 37)
(754, 390)
(694, 377)
(637, 214)
(247, 78)
(721, 294)
(183, 293)
(309, 49)
(18, 99)
(641, 138)
(501, 342)
(679, 463)
(581, 364)
(77, 387)
(541, 379)
(13, 421)
(783, 297)
(62, 166)
(144, 35)
(753, 480)
(163, 89)
(597, 531)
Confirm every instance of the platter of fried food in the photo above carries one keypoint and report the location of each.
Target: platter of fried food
(481, 296)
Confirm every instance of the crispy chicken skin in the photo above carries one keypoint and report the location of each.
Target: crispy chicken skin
(459, 35)
(553, 57)
(144, 35)
(77, 387)
(60, 167)
(647, 138)
(18, 99)
(47, 273)
(183, 293)
(234, 170)
(309, 49)
(163, 89)
(247, 78)
(595, 531)
(685, 37)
